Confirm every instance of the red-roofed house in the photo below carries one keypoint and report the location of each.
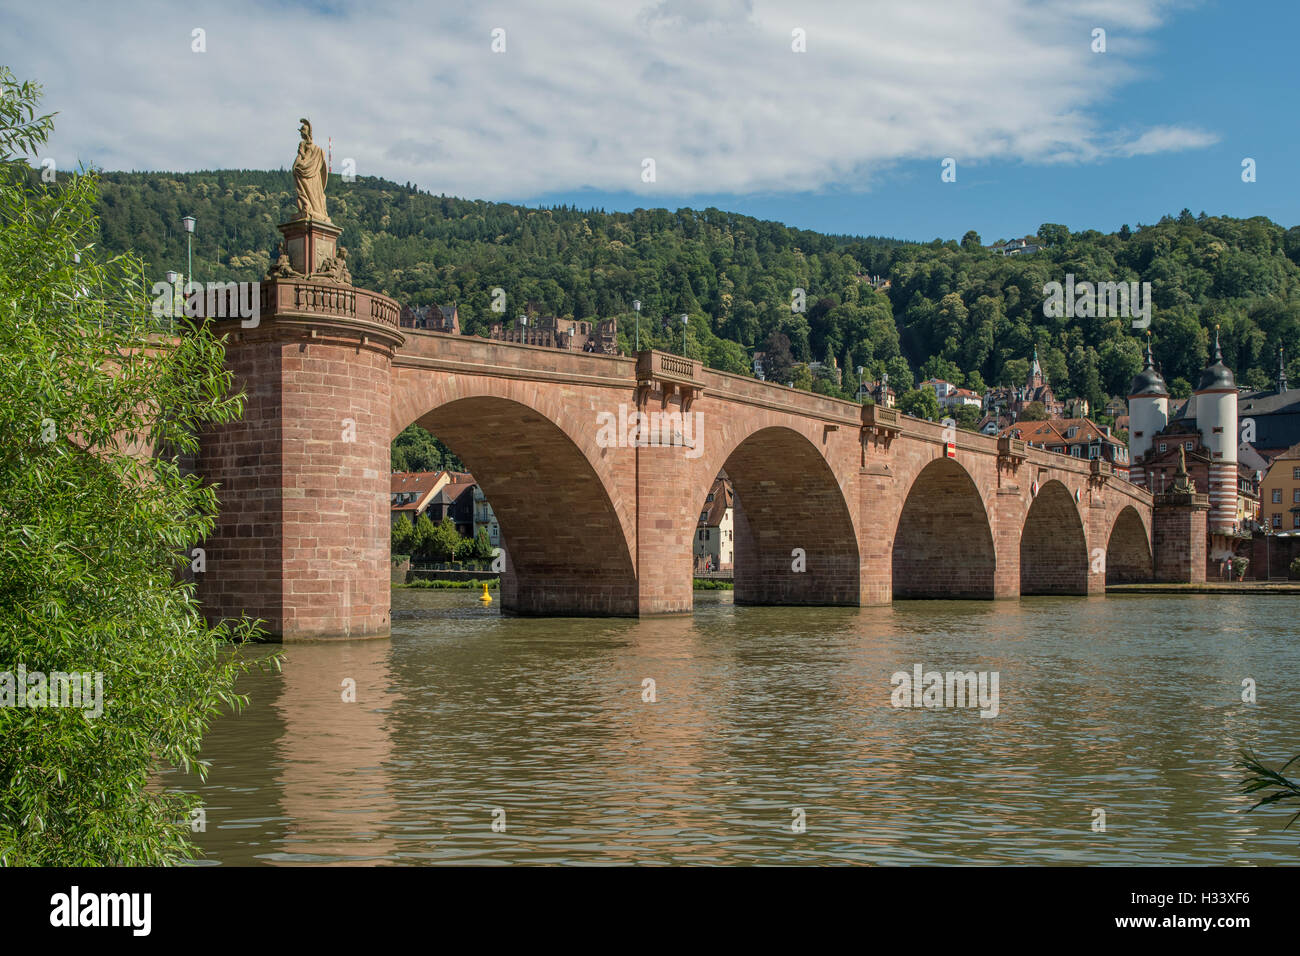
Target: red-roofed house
(1078, 437)
(411, 491)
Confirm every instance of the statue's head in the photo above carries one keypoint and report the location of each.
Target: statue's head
(305, 129)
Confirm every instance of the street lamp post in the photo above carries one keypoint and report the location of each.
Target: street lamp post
(188, 222)
(860, 384)
(172, 276)
(685, 319)
(636, 307)
(523, 329)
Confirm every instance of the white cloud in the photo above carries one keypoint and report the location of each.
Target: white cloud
(1164, 139)
(711, 90)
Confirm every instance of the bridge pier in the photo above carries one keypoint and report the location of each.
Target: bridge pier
(562, 592)
(875, 544)
(664, 557)
(301, 538)
(1098, 531)
(1008, 517)
(1179, 534)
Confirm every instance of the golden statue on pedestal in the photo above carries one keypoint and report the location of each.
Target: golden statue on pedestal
(310, 174)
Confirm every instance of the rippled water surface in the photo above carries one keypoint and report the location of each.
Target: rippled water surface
(1130, 704)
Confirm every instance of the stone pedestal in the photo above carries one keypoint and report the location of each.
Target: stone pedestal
(309, 244)
(1179, 536)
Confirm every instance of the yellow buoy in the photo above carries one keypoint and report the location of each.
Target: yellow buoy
(485, 598)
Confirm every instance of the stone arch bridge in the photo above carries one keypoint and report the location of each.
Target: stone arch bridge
(836, 503)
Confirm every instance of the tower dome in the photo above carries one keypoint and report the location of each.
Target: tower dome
(1148, 381)
(1216, 375)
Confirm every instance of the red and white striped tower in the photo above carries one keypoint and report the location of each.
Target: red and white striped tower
(1216, 419)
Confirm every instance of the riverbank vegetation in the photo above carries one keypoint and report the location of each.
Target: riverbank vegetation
(713, 584)
(701, 584)
(110, 672)
(472, 584)
(425, 541)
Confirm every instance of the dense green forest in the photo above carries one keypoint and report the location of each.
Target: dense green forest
(955, 310)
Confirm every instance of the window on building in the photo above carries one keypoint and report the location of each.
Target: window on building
(1277, 496)
(1187, 445)
(1295, 496)
(1295, 521)
(1295, 474)
(1164, 446)
(1277, 520)
(1137, 434)
(1076, 451)
(1217, 429)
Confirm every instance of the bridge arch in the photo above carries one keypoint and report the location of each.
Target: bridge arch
(943, 545)
(1128, 549)
(1053, 544)
(566, 545)
(788, 500)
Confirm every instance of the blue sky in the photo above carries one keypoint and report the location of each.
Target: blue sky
(846, 136)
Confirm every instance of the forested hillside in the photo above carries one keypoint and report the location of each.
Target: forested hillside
(956, 310)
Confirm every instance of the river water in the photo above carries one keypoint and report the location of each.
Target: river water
(770, 738)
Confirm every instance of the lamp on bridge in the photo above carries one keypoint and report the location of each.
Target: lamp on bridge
(685, 319)
(189, 222)
(636, 307)
(172, 276)
(860, 383)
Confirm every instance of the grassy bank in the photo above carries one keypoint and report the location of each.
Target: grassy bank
(701, 584)
(472, 584)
